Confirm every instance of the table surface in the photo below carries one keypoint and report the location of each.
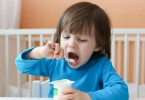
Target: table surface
(25, 98)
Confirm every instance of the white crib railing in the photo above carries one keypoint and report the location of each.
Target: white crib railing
(136, 89)
(12, 42)
(21, 36)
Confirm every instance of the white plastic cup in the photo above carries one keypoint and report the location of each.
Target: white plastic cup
(59, 85)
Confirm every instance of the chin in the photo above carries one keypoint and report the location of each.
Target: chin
(74, 66)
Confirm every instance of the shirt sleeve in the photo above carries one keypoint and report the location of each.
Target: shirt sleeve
(38, 67)
(114, 88)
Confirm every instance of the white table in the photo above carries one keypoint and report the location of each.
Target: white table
(23, 98)
(137, 99)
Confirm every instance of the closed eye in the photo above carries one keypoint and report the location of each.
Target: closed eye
(82, 40)
(66, 37)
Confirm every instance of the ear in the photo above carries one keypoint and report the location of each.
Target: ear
(98, 49)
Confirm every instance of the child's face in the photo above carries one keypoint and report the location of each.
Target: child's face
(77, 47)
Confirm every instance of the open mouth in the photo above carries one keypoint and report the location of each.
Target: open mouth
(73, 56)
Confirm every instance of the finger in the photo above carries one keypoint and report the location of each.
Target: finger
(55, 56)
(50, 54)
(67, 97)
(57, 48)
(68, 91)
(61, 53)
(50, 48)
(50, 44)
(56, 51)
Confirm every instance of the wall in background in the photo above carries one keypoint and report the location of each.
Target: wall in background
(46, 13)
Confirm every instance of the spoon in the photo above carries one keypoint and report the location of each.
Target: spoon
(69, 60)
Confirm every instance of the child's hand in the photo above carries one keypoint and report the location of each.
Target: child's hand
(50, 50)
(73, 94)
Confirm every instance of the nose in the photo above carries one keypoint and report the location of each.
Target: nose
(72, 43)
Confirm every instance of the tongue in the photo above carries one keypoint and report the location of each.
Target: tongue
(75, 59)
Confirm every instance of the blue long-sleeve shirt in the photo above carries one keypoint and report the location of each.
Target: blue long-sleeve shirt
(97, 77)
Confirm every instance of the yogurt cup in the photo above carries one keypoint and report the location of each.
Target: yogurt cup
(59, 85)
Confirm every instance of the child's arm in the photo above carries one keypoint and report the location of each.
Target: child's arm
(51, 50)
(33, 61)
(114, 88)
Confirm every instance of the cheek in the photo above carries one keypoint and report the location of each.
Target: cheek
(87, 52)
(85, 57)
(62, 43)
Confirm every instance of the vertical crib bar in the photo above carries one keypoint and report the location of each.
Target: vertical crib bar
(137, 64)
(7, 63)
(52, 36)
(41, 44)
(18, 73)
(119, 57)
(125, 58)
(113, 50)
(134, 65)
(30, 77)
(143, 61)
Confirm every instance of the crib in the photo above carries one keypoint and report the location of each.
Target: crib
(128, 58)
